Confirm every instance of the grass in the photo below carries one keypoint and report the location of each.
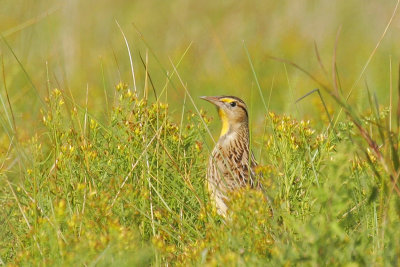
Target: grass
(132, 191)
(114, 173)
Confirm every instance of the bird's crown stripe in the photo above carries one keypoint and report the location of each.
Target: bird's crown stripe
(227, 99)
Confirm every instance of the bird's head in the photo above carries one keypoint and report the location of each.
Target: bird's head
(231, 110)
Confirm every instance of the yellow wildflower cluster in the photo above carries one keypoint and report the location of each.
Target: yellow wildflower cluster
(121, 86)
(296, 135)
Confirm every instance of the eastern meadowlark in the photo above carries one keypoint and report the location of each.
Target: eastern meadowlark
(231, 164)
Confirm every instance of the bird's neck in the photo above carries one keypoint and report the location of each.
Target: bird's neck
(232, 132)
(232, 128)
(225, 122)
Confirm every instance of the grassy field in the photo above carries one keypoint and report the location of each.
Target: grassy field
(104, 142)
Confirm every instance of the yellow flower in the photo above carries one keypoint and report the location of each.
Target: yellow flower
(93, 124)
(56, 92)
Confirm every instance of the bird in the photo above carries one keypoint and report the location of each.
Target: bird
(231, 164)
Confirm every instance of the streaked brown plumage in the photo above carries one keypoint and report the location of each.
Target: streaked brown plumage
(231, 164)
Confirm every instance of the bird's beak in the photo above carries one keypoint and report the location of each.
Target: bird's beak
(212, 99)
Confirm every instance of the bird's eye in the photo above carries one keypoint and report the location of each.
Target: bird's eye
(233, 104)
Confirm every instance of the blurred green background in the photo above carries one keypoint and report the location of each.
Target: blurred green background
(80, 41)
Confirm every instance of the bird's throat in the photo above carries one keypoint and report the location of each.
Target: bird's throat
(225, 123)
